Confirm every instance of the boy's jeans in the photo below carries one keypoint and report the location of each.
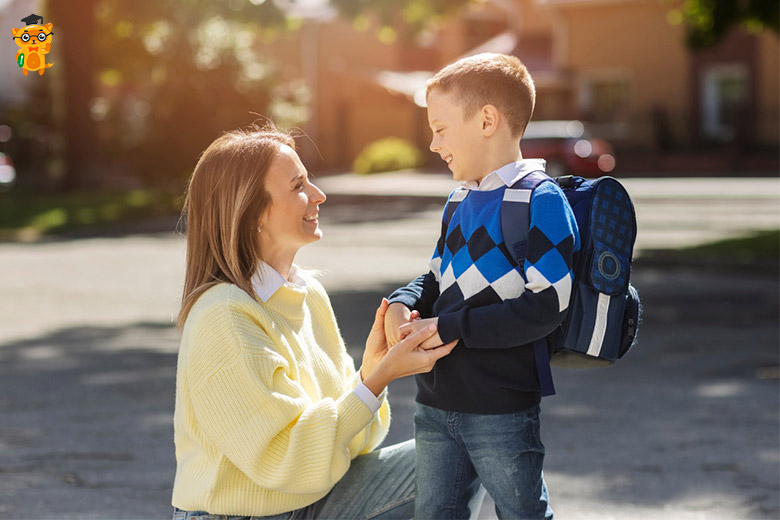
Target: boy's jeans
(378, 486)
(458, 451)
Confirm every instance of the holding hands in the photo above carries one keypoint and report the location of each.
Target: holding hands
(400, 322)
(414, 351)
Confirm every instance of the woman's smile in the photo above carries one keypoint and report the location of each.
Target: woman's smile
(292, 220)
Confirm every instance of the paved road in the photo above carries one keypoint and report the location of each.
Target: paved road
(686, 427)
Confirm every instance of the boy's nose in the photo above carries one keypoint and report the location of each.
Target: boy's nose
(434, 147)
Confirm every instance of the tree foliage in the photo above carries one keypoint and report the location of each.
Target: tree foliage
(409, 17)
(159, 79)
(175, 74)
(709, 21)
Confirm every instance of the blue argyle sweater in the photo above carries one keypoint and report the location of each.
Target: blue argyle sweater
(481, 297)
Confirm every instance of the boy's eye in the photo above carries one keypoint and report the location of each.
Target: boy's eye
(438, 131)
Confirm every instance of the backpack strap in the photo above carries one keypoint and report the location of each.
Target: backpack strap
(516, 218)
(515, 224)
(543, 370)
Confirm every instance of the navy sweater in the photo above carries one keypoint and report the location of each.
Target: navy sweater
(495, 308)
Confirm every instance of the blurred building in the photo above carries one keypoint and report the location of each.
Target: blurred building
(619, 64)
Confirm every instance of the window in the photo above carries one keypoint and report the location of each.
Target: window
(606, 98)
(724, 99)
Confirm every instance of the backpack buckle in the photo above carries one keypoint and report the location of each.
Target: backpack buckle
(565, 181)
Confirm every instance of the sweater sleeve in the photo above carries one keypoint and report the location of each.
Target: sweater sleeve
(247, 400)
(553, 238)
(372, 435)
(420, 294)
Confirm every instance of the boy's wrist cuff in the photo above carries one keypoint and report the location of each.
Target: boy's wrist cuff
(447, 326)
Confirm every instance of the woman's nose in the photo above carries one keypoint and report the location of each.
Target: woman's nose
(317, 196)
(434, 145)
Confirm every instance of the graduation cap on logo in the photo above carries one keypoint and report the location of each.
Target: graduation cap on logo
(33, 19)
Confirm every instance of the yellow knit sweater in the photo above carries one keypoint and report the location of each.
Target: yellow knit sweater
(266, 420)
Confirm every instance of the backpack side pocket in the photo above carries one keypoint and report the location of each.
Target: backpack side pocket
(631, 319)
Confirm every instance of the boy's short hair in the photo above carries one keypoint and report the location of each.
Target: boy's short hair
(490, 79)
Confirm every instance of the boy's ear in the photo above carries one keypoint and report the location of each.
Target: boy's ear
(490, 119)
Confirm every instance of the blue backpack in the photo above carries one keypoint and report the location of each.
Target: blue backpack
(604, 308)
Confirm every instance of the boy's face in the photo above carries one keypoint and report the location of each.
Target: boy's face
(458, 142)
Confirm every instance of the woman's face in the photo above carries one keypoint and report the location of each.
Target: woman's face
(291, 219)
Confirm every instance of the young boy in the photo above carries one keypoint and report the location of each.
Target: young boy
(477, 417)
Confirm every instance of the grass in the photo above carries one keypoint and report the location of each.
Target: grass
(27, 215)
(761, 244)
(758, 250)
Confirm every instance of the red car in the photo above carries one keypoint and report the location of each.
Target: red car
(568, 148)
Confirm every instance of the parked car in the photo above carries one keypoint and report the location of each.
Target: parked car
(569, 148)
(7, 171)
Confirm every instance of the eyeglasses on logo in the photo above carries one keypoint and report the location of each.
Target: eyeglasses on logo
(35, 42)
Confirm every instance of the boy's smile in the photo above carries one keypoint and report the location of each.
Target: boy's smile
(459, 142)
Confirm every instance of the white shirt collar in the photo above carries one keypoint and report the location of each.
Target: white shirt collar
(507, 175)
(267, 280)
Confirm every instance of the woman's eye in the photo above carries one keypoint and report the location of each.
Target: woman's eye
(299, 186)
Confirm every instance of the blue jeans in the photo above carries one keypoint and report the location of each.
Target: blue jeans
(456, 452)
(378, 486)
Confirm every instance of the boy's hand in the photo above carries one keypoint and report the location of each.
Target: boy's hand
(417, 325)
(398, 314)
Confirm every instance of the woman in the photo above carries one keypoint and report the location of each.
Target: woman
(271, 419)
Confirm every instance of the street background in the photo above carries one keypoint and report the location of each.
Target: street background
(686, 426)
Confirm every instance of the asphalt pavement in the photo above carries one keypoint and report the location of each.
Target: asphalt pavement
(685, 427)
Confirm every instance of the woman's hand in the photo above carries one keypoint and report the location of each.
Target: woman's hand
(382, 364)
(416, 325)
(376, 344)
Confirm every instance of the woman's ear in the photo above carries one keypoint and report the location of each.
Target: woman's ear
(490, 119)
(260, 223)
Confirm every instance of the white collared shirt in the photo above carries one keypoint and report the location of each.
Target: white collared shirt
(267, 280)
(507, 175)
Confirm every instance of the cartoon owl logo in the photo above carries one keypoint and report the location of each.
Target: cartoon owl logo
(35, 43)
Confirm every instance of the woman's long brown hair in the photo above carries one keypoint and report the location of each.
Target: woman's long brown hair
(225, 197)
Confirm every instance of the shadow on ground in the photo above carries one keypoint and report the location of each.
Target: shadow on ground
(690, 417)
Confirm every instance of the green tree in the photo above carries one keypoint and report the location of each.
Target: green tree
(709, 21)
(177, 73)
(172, 74)
(411, 17)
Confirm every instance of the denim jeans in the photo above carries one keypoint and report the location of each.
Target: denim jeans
(378, 486)
(456, 452)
